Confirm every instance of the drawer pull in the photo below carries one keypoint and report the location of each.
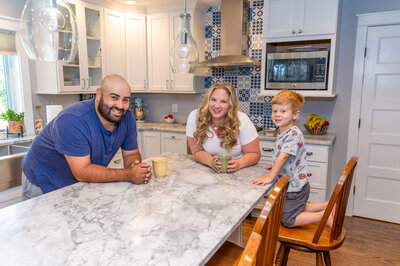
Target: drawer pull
(117, 161)
(309, 153)
(172, 137)
(267, 149)
(309, 174)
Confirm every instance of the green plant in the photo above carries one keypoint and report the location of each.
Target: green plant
(10, 115)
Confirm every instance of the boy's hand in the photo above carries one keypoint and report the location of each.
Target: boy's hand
(268, 167)
(263, 180)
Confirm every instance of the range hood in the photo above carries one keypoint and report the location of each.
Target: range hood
(234, 37)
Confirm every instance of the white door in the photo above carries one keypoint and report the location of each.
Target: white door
(378, 172)
(136, 51)
(158, 51)
(115, 42)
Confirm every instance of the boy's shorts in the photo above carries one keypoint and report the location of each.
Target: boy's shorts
(295, 203)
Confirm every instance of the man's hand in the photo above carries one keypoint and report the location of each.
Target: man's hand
(141, 172)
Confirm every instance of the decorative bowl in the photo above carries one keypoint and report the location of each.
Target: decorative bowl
(317, 130)
(169, 120)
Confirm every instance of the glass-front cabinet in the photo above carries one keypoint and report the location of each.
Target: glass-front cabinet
(84, 73)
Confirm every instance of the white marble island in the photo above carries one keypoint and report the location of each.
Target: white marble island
(178, 220)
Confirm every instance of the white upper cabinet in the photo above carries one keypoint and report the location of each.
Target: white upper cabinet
(162, 29)
(115, 42)
(84, 74)
(136, 61)
(297, 18)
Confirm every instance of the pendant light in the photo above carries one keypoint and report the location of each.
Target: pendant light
(184, 55)
(49, 30)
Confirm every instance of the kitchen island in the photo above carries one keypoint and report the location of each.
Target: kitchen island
(178, 220)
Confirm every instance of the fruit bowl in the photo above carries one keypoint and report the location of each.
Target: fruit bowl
(169, 120)
(317, 130)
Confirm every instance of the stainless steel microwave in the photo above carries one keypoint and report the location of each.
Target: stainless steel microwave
(297, 70)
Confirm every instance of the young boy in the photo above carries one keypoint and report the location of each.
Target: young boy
(289, 158)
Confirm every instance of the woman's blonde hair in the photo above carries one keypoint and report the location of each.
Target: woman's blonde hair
(230, 129)
(294, 99)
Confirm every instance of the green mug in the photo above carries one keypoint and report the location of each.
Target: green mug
(224, 159)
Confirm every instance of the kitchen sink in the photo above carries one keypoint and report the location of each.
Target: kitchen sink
(11, 164)
(14, 148)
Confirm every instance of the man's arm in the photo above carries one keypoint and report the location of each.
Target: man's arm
(84, 171)
(130, 157)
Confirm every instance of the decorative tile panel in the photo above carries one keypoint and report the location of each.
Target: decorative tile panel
(247, 81)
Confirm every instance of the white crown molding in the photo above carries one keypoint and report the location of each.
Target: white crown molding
(9, 23)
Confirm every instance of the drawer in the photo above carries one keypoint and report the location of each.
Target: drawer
(317, 195)
(317, 153)
(267, 148)
(317, 173)
(265, 160)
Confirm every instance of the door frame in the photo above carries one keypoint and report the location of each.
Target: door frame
(364, 22)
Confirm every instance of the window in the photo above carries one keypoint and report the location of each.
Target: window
(5, 100)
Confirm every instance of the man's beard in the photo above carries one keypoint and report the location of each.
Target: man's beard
(105, 112)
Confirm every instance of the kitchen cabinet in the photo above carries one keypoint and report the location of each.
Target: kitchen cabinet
(85, 73)
(136, 50)
(297, 18)
(115, 59)
(155, 142)
(317, 167)
(117, 162)
(162, 29)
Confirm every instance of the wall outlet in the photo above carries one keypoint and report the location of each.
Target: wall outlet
(174, 108)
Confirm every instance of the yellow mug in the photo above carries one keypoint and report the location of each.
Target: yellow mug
(160, 165)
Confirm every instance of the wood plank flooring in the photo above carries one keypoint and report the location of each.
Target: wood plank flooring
(368, 242)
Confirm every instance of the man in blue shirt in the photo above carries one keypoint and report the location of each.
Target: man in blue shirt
(80, 142)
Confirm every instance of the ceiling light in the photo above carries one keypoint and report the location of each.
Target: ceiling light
(130, 2)
(184, 56)
(49, 30)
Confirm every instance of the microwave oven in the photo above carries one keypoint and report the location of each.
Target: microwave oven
(297, 70)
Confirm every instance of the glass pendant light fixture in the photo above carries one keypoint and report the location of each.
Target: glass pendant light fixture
(184, 55)
(49, 30)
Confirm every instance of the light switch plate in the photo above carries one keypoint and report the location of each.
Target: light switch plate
(174, 108)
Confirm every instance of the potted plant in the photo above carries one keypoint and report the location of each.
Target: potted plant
(15, 121)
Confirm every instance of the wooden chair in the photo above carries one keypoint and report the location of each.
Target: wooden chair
(318, 237)
(267, 226)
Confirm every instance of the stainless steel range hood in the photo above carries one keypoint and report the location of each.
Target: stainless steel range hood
(234, 37)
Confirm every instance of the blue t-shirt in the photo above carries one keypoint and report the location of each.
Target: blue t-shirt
(76, 131)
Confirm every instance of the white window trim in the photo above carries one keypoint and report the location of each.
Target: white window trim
(25, 95)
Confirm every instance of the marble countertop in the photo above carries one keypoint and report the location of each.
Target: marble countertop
(14, 140)
(326, 139)
(178, 220)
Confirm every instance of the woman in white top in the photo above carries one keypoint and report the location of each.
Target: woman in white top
(217, 127)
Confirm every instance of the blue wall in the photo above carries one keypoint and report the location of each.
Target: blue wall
(247, 81)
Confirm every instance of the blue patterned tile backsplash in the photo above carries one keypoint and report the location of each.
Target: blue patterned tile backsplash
(247, 81)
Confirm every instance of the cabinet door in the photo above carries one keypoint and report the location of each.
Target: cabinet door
(317, 17)
(151, 144)
(92, 64)
(135, 28)
(158, 51)
(173, 142)
(280, 18)
(115, 60)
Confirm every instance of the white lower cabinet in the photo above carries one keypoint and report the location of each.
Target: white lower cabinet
(317, 166)
(117, 162)
(153, 143)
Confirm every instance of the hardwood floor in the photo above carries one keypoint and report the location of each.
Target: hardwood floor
(368, 242)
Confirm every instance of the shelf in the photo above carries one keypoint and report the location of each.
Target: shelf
(65, 31)
(313, 94)
(90, 38)
(70, 65)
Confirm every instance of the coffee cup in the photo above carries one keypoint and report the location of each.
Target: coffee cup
(224, 159)
(160, 166)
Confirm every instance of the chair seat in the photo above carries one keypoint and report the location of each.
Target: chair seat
(228, 254)
(304, 235)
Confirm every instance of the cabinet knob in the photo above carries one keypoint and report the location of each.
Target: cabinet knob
(267, 149)
(300, 31)
(309, 153)
(294, 85)
(309, 174)
(293, 32)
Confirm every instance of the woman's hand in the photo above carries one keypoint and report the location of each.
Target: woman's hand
(233, 166)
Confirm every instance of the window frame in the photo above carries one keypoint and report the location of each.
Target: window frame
(24, 96)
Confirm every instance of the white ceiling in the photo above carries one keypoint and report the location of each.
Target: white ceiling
(163, 2)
